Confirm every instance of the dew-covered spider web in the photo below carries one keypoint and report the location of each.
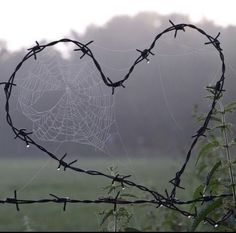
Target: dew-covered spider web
(66, 102)
(69, 109)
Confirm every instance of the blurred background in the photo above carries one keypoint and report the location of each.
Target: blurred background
(152, 118)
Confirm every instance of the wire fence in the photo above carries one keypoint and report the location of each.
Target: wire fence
(168, 199)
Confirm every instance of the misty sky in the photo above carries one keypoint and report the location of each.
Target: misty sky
(23, 22)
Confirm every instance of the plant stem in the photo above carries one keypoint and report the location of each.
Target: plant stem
(227, 151)
(115, 222)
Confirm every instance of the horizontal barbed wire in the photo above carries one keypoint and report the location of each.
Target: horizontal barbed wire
(168, 200)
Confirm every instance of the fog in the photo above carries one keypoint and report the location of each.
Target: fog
(154, 112)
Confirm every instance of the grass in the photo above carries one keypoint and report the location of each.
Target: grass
(36, 178)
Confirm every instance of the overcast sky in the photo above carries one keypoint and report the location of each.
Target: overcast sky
(24, 21)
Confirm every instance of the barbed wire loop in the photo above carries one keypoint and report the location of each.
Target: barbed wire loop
(168, 200)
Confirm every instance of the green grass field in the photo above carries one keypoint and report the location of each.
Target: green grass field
(37, 178)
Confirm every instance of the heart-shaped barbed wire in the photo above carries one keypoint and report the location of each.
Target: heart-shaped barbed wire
(168, 200)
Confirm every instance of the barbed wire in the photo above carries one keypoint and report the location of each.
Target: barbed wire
(167, 200)
(120, 201)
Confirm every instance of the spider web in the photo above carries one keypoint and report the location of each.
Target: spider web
(84, 110)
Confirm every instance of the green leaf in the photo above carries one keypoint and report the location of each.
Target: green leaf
(131, 229)
(198, 191)
(209, 97)
(205, 212)
(223, 126)
(206, 148)
(212, 183)
(216, 119)
(230, 107)
(106, 216)
(197, 194)
(213, 170)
